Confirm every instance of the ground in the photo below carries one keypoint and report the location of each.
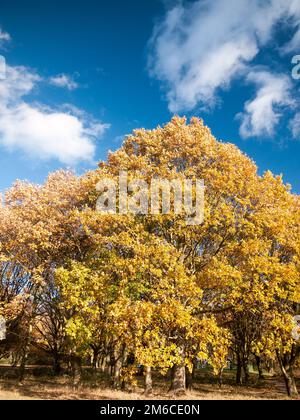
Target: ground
(41, 385)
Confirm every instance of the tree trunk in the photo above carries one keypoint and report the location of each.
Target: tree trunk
(125, 358)
(239, 380)
(220, 378)
(24, 354)
(290, 385)
(95, 359)
(246, 370)
(56, 364)
(178, 384)
(148, 380)
(102, 364)
(117, 372)
(76, 369)
(22, 367)
(188, 379)
(259, 368)
(190, 376)
(288, 375)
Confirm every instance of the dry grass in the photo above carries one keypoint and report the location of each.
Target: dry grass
(46, 387)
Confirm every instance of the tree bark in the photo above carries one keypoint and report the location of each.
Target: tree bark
(148, 380)
(246, 370)
(188, 379)
(288, 375)
(220, 378)
(190, 376)
(178, 380)
(56, 364)
(117, 371)
(239, 380)
(102, 364)
(22, 367)
(259, 368)
(290, 385)
(95, 359)
(76, 367)
(24, 355)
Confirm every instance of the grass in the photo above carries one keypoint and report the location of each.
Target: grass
(40, 385)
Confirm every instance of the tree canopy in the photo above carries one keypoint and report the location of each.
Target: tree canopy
(147, 290)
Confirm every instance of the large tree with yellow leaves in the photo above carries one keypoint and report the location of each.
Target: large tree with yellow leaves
(149, 289)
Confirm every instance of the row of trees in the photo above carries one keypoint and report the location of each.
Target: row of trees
(149, 291)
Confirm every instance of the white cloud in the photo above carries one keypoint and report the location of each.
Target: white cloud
(295, 126)
(294, 44)
(19, 82)
(47, 134)
(40, 131)
(4, 37)
(294, 22)
(63, 81)
(202, 46)
(262, 114)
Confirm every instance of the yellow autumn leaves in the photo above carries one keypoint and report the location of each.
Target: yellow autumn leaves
(151, 287)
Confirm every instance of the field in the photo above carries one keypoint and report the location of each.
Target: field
(39, 384)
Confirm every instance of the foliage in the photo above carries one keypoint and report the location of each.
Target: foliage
(148, 290)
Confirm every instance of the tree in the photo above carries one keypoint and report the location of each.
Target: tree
(179, 151)
(39, 230)
(150, 289)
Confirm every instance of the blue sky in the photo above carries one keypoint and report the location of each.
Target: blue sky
(82, 74)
